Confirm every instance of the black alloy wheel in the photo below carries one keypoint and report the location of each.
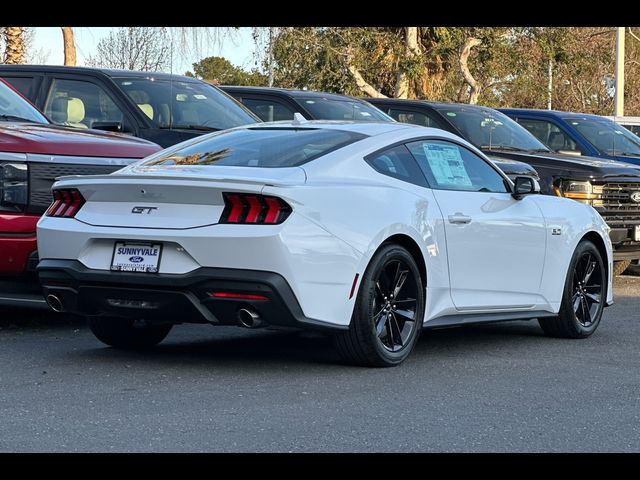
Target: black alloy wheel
(584, 296)
(388, 312)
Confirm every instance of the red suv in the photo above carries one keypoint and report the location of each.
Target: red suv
(33, 152)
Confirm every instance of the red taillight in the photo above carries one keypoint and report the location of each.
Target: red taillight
(248, 208)
(66, 203)
(238, 296)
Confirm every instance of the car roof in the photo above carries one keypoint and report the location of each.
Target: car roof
(366, 128)
(110, 72)
(550, 113)
(428, 103)
(291, 92)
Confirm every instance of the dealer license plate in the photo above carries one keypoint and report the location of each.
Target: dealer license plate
(136, 257)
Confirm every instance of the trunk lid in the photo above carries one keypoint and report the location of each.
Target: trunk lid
(178, 201)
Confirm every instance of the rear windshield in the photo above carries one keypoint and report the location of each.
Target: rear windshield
(258, 147)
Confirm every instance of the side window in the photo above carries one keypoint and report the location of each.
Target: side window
(398, 163)
(415, 118)
(22, 84)
(549, 134)
(77, 103)
(449, 166)
(268, 110)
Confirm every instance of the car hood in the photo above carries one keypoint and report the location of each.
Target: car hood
(583, 164)
(57, 140)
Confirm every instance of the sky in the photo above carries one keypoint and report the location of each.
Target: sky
(48, 43)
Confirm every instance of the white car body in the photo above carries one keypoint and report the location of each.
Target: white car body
(510, 261)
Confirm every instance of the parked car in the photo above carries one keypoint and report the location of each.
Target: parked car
(32, 154)
(342, 227)
(276, 104)
(163, 108)
(579, 133)
(611, 187)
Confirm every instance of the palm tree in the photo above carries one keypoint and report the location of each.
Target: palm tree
(13, 44)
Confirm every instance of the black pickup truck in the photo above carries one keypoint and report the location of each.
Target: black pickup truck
(609, 186)
(163, 108)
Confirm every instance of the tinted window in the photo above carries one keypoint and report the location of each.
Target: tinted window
(22, 84)
(342, 109)
(79, 104)
(549, 134)
(489, 129)
(449, 166)
(606, 136)
(188, 105)
(398, 163)
(257, 147)
(415, 118)
(268, 110)
(16, 107)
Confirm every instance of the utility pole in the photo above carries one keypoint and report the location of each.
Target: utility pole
(618, 109)
(270, 55)
(550, 84)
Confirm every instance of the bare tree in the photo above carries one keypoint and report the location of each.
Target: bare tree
(474, 85)
(14, 47)
(134, 48)
(69, 46)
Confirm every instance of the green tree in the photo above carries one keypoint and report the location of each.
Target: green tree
(221, 71)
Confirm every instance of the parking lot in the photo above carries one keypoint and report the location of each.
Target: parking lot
(501, 387)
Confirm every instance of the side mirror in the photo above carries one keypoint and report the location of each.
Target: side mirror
(524, 186)
(108, 126)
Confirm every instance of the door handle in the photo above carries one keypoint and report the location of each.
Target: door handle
(459, 218)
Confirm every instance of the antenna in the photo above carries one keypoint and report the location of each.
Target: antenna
(171, 86)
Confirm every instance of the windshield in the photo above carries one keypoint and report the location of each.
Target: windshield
(14, 108)
(188, 105)
(606, 136)
(491, 130)
(257, 147)
(342, 109)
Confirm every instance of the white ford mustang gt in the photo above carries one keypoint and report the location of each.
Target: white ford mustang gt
(370, 231)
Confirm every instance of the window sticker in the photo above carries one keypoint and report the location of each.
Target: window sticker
(447, 165)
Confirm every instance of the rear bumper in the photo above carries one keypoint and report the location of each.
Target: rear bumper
(174, 298)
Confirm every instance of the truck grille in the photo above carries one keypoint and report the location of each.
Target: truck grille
(43, 175)
(616, 206)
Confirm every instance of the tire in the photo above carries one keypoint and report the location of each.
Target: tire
(124, 334)
(583, 298)
(620, 266)
(633, 269)
(379, 334)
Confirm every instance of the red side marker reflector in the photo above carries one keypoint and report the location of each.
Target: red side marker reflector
(239, 296)
(353, 286)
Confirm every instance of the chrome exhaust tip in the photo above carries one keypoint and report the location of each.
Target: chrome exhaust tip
(54, 302)
(249, 318)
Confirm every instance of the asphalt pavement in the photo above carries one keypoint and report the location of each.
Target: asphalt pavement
(492, 388)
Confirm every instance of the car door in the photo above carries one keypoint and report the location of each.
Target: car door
(83, 103)
(495, 243)
(551, 134)
(267, 107)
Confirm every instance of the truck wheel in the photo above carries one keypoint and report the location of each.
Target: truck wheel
(126, 334)
(584, 296)
(620, 266)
